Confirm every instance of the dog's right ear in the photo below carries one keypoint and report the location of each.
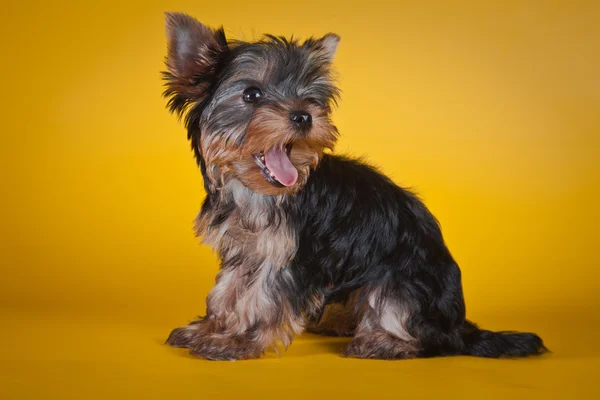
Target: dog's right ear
(195, 53)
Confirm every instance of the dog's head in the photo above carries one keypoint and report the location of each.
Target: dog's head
(258, 112)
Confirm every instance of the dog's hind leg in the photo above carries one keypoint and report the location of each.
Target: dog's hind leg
(381, 332)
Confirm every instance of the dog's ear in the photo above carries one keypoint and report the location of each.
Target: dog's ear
(195, 53)
(329, 44)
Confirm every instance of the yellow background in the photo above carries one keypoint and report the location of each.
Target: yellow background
(489, 110)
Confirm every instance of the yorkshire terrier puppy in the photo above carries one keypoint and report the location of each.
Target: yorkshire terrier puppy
(306, 239)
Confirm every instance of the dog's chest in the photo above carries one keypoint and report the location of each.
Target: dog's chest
(255, 230)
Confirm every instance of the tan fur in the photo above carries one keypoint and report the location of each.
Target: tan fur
(243, 301)
(270, 127)
(381, 332)
(381, 345)
(337, 320)
(390, 315)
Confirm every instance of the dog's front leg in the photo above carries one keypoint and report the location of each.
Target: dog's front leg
(246, 313)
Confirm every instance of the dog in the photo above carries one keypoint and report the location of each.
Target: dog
(307, 240)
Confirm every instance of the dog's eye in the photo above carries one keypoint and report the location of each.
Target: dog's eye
(252, 94)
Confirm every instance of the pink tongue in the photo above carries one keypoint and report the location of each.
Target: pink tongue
(280, 165)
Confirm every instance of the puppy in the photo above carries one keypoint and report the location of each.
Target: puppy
(306, 239)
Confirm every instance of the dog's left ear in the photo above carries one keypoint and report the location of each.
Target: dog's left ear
(194, 57)
(329, 44)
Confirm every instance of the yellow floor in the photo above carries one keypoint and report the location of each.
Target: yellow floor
(61, 356)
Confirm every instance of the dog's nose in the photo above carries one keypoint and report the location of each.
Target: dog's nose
(301, 118)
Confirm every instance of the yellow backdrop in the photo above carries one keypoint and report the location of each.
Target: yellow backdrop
(489, 110)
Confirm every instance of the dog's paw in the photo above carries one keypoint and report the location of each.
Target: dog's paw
(182, 337)
(204, 342)
(223, 347)
(380, 345)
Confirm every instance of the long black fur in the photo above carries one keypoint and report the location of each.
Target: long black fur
(356, 228)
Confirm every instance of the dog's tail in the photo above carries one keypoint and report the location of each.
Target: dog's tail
(482, 343)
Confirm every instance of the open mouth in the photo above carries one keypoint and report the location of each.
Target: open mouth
(276, 166)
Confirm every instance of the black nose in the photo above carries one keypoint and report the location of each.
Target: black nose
(301, 118)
